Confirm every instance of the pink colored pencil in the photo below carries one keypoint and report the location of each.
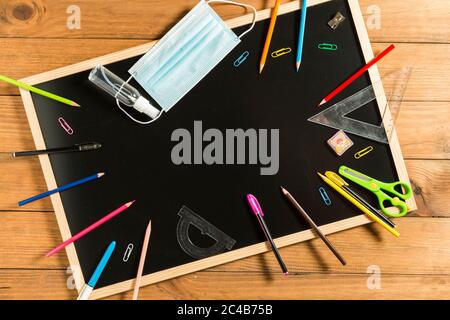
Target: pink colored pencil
(92, 227)
(357, 74)
(137, 284)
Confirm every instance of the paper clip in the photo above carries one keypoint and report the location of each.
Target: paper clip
(325, 196)
(327, 46)
(241, 59)
(280, 52)
(65, 125)
(363, 152)
(127, 253)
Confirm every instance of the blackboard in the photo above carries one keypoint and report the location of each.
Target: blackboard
(137, 158)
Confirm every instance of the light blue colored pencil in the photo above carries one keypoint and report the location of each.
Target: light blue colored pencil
(60, 189)
(301, 34)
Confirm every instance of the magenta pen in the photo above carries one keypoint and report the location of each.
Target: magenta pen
(254, 204)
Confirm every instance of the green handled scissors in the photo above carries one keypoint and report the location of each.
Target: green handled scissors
(377, 187)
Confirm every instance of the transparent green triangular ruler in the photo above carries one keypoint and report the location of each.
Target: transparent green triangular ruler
(335, 116)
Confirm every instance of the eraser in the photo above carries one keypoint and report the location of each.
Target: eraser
(340, 142)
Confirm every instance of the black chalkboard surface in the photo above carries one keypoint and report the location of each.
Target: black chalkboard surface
(137, 158)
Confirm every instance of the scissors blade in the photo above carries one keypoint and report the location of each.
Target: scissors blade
(357, 175)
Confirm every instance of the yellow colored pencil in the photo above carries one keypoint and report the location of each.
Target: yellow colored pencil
(39, 91)
(273, 20)
(137, 284)
(358, 205)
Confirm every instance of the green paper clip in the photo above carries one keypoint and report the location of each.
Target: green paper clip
(327, 46)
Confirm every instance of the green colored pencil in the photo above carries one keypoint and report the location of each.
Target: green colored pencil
(39, 91)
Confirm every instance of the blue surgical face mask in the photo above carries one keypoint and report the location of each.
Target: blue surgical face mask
(186, 54)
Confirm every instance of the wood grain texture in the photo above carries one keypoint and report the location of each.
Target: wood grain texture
(20, 284)
(33, 34)
(422, 239)
(400, 21)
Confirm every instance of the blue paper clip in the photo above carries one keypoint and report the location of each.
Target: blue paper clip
(241, 59)
(325, 196)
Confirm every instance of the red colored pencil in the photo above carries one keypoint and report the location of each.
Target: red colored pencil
(356, 75)
(92, 227)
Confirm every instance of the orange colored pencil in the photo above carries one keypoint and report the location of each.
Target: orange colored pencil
(137, 284)
(273, 20)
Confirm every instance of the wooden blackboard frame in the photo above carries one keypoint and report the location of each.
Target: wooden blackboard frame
(234, 254)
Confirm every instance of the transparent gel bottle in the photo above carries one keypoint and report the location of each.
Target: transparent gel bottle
(122, 91)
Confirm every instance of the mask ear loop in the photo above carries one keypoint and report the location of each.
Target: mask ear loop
(129, 115)
(240, 5)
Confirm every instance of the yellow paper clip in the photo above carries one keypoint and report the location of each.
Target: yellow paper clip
(363, 152)
(280, 52)
(327, 46)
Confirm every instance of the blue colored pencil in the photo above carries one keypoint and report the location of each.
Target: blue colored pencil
(60, 189)
(301, 34)
(89, 287)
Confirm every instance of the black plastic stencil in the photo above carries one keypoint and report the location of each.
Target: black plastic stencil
(188, 218)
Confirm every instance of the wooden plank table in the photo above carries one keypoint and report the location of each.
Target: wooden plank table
(34, 38)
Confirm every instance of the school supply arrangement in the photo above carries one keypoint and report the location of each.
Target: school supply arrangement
(196, 215)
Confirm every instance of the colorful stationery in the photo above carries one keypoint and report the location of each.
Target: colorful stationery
(273, 20)
(62, 188)
(39, 91)
(344, 185)
(88, 287)
(377, 188)
(313, 225)
(359, 205)
(301, 35)
(357, 74)
(254, 204)
(76, 148)
(137, 284)
(92, 227)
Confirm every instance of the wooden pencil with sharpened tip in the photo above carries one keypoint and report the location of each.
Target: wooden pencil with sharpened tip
(313, 225)
(273, 20)
(137, 284)
(358, 204)
(301, 34)
(39, 91)
(356, 75)
(92, 227)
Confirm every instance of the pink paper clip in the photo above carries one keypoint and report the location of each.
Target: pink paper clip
(65, 125)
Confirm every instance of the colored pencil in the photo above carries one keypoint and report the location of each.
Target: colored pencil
(88, 287)
(254, 204)
(137, 284)
(357, 74)
(313, 225)
(76, 148)
(92, 227)
(61, 189)
(273, 20)
(360, 206)
(39, 91)
(301, 34)
(344, 185)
